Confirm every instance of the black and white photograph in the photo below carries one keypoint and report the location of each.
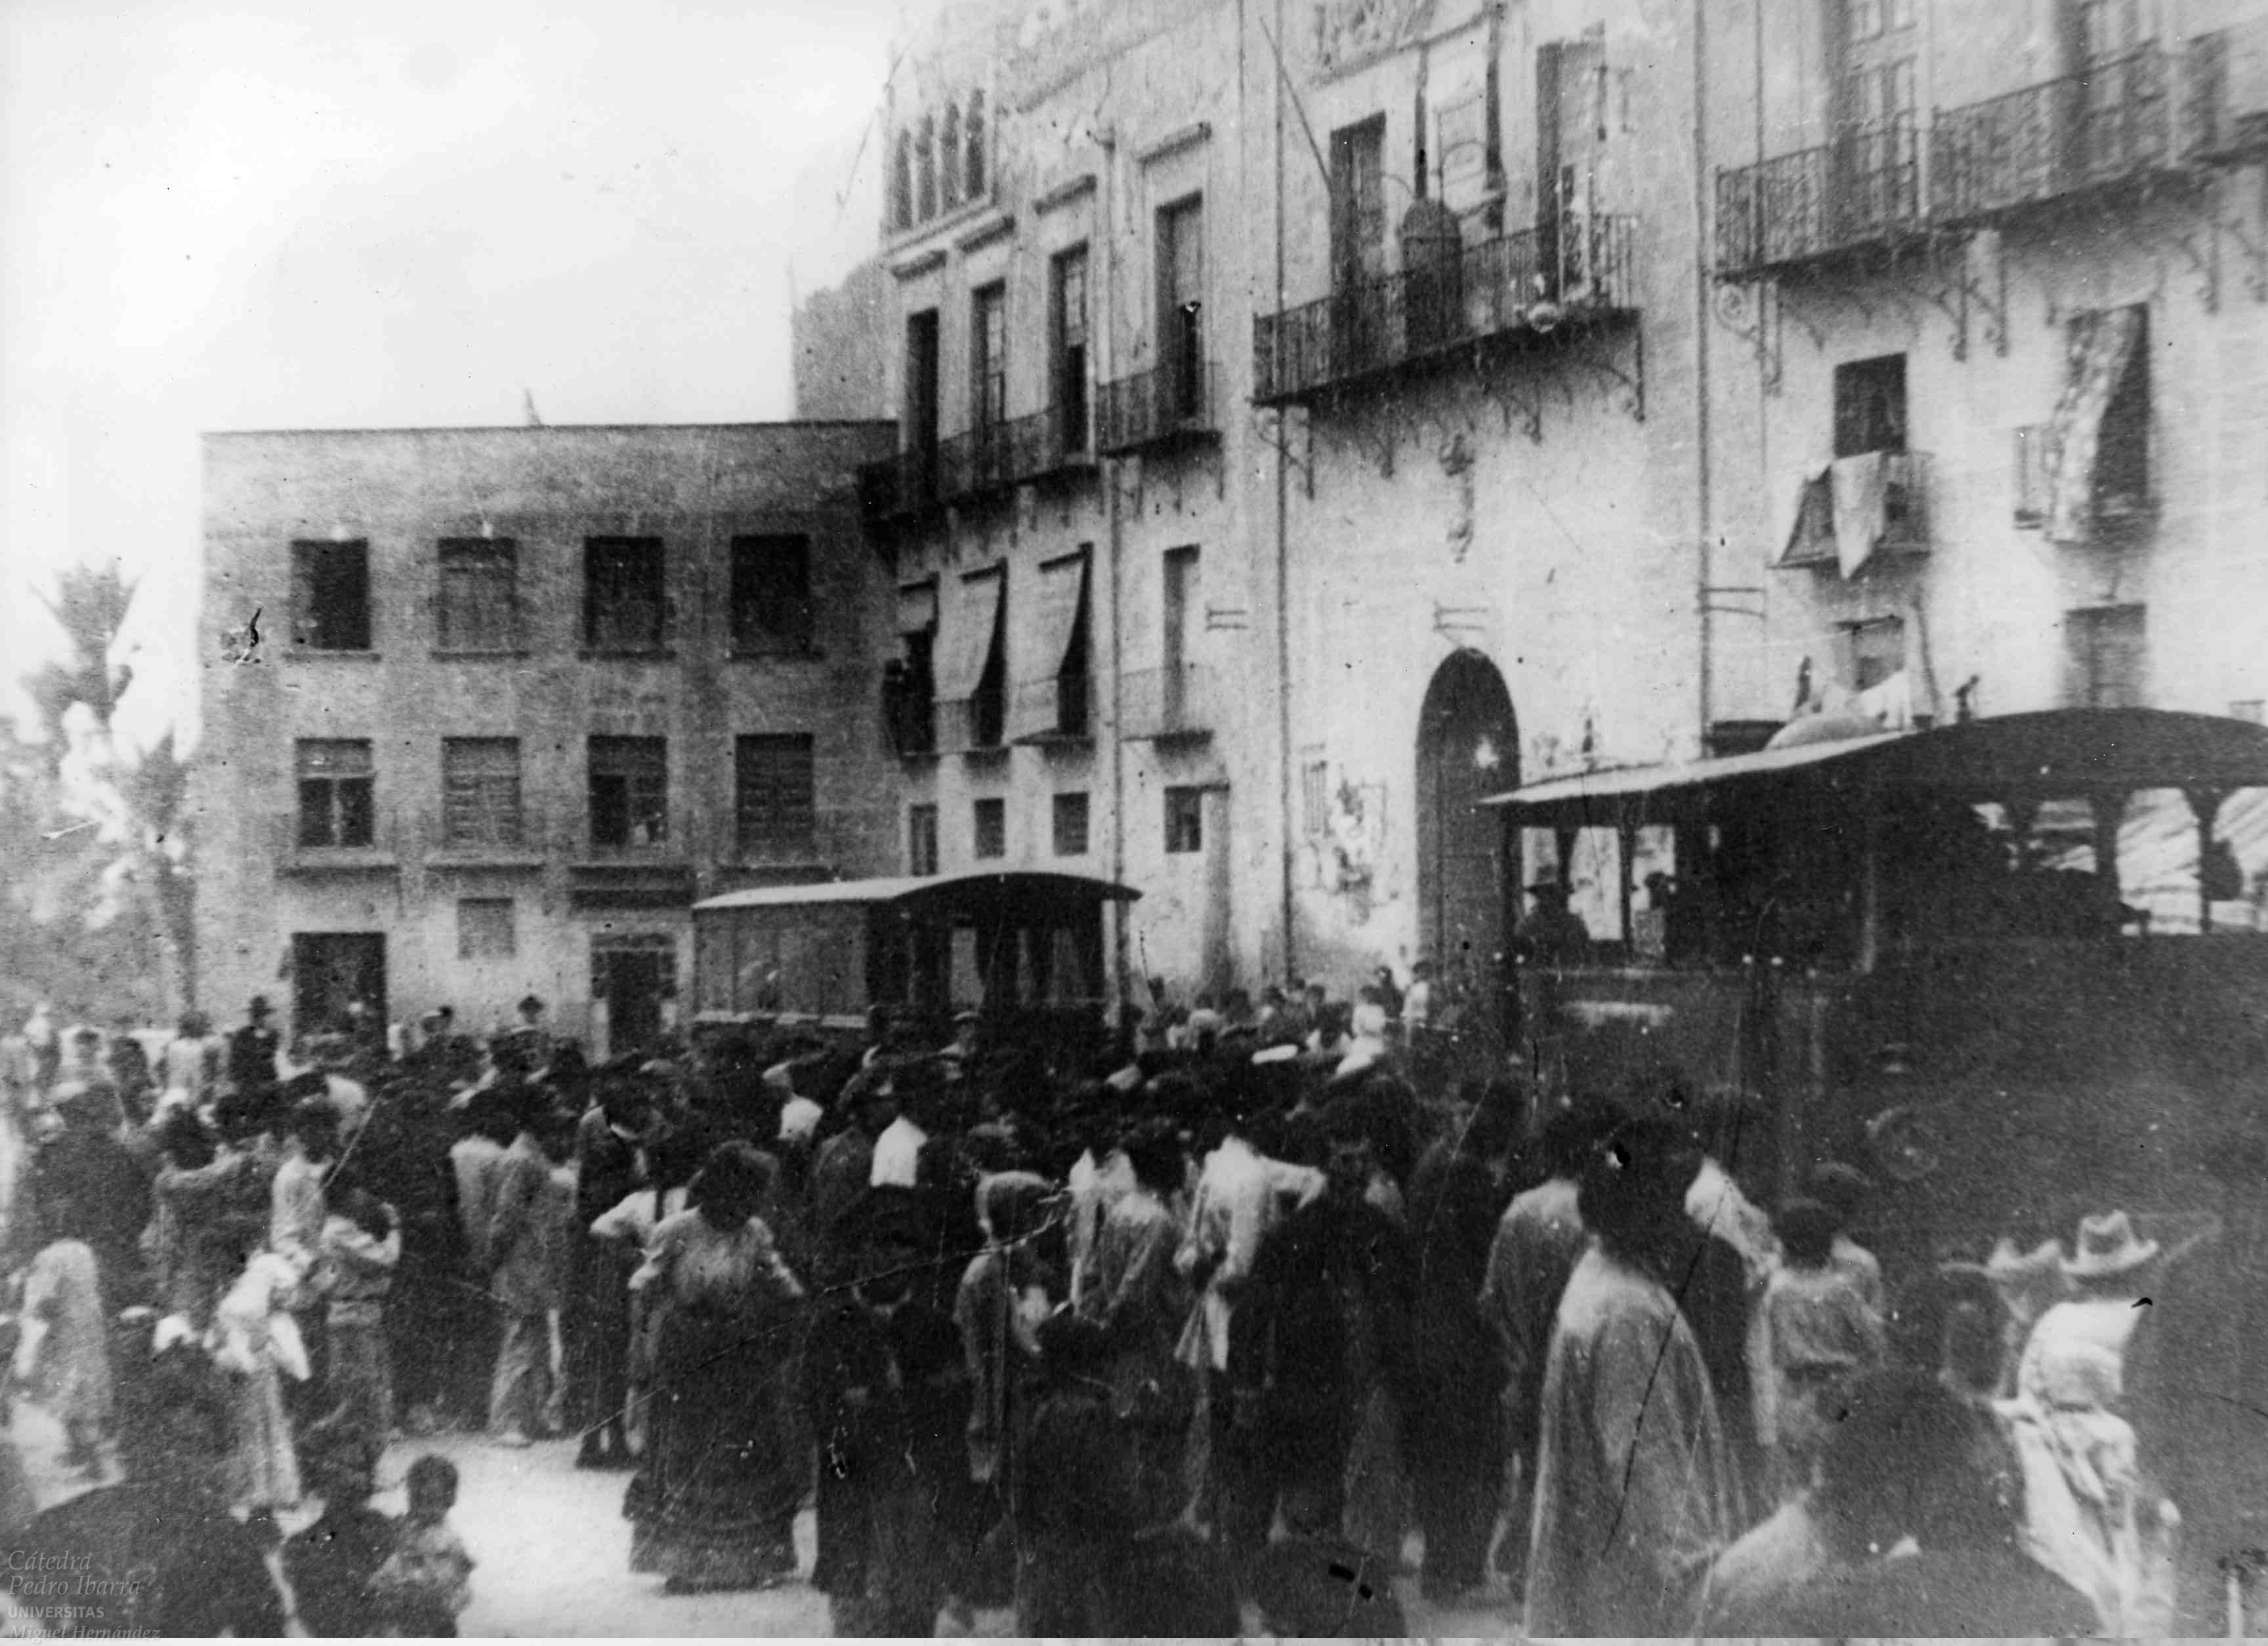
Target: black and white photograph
(1122, 818)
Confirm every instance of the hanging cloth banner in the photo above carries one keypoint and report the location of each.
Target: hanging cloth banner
(2098, 349)
(966, 643)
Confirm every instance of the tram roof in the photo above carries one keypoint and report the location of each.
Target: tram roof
(968, 890)
(2053, 752)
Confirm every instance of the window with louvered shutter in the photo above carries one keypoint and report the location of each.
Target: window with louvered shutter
(479, 607)
(479, 791)
(776, 807)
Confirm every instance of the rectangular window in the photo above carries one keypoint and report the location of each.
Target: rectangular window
(987, 357)
(1870, 406)
(1184, 820)
(630, 792)
(1316, 797)
(921, 839)
(1070, 826)
(774, 803)
(479, 791)
(336, 805)
(479, 607)
(1181, 309)
(2122, 463)
(771, 612)
(1068, 274)
(921, 402)
(624, 608)
(330, 596)
(485, 929)
(992, 828)
(2106, 654)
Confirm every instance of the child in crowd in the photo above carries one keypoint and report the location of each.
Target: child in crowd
(427, 1579)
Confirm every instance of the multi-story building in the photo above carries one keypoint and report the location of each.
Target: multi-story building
(1540, 384)
(495, 705)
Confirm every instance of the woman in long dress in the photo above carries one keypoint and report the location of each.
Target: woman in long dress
(722, 1482)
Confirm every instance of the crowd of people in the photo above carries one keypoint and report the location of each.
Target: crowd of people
(1198, 1327)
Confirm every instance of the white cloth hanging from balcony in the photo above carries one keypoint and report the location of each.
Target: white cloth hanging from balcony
(1859, 485)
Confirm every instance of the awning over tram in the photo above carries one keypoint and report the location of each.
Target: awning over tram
(2059, 752)
(941, 893)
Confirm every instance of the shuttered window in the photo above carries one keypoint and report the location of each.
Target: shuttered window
(1070, 826)
(775, 806)
(479, 608)
(479, 791)
(630, 791)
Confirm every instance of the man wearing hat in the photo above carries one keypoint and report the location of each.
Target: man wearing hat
(252, 1051)
(1553, 934)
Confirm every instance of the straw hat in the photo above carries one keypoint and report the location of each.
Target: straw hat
(2108, 1245)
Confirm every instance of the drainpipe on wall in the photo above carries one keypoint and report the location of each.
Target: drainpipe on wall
(1105, 371)
(1704, 509)
(1284, 555)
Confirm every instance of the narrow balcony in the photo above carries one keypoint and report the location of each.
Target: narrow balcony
(2116, 504)
(1903, 524)
(1858, 193)
(975, 726)
(2111, 125)
(1055, 710)
(1048, 444)
(2228, 89)
(900, 487)
(1515, 292)
(1169, 405)
(975, 464)
(1168, 704)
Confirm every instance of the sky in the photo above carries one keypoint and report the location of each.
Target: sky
(291, 216)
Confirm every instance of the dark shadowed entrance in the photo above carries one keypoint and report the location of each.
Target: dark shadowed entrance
(1467, 747)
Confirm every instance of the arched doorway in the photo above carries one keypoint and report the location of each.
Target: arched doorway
(1468, 747)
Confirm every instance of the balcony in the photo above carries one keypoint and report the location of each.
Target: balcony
(975, 464)
(2126, 504)
(899, 487)
(1049, 443)
(2113, 124)
(1860, 193)
(2228, 87)
(1905, 515)
(1055, 710)
(1167, 406)
(1168, 704)
(974, 725)
(1513, 292)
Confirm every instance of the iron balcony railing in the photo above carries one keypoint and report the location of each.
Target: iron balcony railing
(2228, 92)
(2111, 123)
(1049, 442)
(1055, 710)
(1168, 703)
(974, 463)
(1163, 406)
(900, 485)
(1529, 284)
(1863, 190)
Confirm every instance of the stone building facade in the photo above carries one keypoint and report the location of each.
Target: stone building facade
(1560, 383)
(491, 708)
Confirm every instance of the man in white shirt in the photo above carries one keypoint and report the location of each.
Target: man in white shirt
(897, 1151)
